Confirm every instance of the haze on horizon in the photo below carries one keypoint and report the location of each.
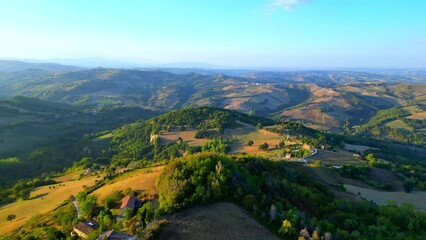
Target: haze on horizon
(255, 33)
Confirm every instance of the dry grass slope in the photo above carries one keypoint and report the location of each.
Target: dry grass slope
(246, 132)
(42, 200)
(188, 136)
(142, 180)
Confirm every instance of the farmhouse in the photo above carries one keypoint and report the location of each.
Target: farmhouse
(83, 229)
(113, 235)
(130, 202)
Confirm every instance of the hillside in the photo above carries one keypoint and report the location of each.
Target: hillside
(37, 136)
(160, 90)
(332, 100)
(188, 175)
(340, 107)
(108, 121)
(204, 222)
(141, 140)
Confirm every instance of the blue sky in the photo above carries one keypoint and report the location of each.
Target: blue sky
(233, 33)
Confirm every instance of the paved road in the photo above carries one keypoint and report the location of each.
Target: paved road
(75, 202)
(312, 154)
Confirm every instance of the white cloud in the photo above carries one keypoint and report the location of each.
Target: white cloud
(287, 4)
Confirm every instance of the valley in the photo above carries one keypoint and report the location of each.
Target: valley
(213, 119)
(245, 151)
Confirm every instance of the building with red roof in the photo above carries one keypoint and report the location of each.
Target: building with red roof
(130, 202)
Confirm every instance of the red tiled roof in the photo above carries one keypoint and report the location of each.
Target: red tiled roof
(129, 202)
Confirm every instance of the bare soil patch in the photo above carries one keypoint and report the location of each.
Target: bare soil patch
(216, 221)
(386, 176)
(358, 148)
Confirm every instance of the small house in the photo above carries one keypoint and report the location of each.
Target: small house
(288, 155)
(130, 202)
(83, 229)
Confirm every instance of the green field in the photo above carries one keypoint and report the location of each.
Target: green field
(102, 142)
(336, 158)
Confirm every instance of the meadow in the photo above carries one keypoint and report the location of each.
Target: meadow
(187, 135)
(241, 135)
(141, 180)
(42, 200)
(340, 157)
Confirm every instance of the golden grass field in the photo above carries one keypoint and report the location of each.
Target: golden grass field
(418, 115)
(188, 136)
(69, 177)
(398, 124)
(246, 132)
(141, 180)
(42, 200)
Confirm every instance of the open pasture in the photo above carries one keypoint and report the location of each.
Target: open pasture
(241, 135)
(141, 180)
(187, 135)
(42, 200)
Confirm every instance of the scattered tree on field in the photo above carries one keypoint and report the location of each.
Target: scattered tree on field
(264, 147)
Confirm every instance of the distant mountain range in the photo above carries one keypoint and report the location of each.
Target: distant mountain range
(322, 99)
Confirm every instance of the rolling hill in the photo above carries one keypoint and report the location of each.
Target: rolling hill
(323, 99)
